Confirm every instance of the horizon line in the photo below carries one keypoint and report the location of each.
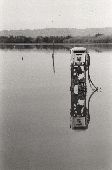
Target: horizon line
(22, 29)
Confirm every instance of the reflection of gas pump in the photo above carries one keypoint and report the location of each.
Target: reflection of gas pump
(80, 62)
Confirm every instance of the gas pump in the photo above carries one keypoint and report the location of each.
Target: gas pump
(79, 113)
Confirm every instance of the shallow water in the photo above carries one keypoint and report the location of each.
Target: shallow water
(35, 112)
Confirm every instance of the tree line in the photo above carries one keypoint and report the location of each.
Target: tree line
(39, 39)
(97, 38)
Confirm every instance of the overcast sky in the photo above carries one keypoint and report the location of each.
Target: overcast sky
(33, 14)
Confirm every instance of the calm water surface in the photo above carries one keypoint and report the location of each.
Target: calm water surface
(35, 112)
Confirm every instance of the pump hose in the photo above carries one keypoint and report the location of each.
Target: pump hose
(90, 99)
(90, 81)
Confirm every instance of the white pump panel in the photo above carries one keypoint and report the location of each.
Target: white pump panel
(78, 55)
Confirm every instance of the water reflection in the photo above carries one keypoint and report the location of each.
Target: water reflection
(31, 46)
(96, 47)
(53, 63)
(53, 58)
(35, 113)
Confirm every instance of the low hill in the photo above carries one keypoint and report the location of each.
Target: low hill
(57, 32)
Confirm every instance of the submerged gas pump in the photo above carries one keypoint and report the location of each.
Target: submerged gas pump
(79, 113)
